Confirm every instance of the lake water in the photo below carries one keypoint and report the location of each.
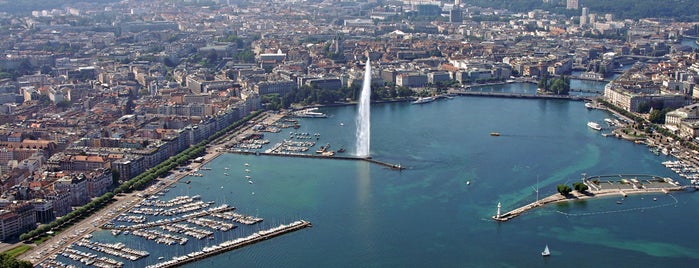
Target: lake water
(689, 42)
(365, 215)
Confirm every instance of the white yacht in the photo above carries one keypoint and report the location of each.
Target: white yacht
(594, 125)
(424, 100)
(310, 113)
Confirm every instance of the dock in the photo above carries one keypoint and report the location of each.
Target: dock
(233, 244)
(219, 209)
(597, 190)
(368, 159)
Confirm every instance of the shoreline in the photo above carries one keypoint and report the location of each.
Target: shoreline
(214, 150)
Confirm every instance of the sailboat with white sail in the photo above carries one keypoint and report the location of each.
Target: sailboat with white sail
(546, 252)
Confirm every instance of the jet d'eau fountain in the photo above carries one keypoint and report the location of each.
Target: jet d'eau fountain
(364, 114)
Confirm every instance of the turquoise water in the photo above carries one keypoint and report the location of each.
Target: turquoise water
(365, 215)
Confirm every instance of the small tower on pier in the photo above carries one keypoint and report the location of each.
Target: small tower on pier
(497, 216)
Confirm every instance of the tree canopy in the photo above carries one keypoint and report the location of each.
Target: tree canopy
(558, 86)
(563, 189)
(580, 187)
(7, 261)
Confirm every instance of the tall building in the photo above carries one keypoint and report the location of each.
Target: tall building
(572, 4)
(455, 15)
(609, 17)
(584, 17)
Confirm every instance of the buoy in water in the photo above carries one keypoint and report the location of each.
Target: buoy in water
(468, 182)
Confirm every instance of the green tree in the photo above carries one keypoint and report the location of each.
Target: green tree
(543, 83)
(7, 261)
(115, 177)
(580, 187)
(563, 189)
(404, 92)
(44, 100)
(559, 86)
(658, 116)
(644, 107)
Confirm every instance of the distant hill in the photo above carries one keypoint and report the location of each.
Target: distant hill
(684, 10)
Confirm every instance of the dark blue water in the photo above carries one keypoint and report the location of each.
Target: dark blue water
(365, 215)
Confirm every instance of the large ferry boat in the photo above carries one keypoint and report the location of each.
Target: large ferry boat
(594, 125)
(424, 100)
(310, 112)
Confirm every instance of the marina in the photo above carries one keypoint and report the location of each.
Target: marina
(187, 230)
(90, 259)
(149, 224)
(116, 249)
(232, 244)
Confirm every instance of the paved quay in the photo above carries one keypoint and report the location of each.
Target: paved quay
(597, 191)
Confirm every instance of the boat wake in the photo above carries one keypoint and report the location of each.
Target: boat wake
(620, 210)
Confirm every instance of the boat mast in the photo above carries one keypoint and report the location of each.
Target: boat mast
(537, 191)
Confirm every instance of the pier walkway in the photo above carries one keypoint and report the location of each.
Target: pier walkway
(631, 186)
(232, 244)
(521, 95)
(368, 159)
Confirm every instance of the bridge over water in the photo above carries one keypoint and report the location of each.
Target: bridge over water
(522, 96)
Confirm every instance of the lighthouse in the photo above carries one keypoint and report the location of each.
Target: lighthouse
(497, 216)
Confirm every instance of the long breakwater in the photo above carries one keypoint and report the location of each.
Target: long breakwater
(232, 244)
